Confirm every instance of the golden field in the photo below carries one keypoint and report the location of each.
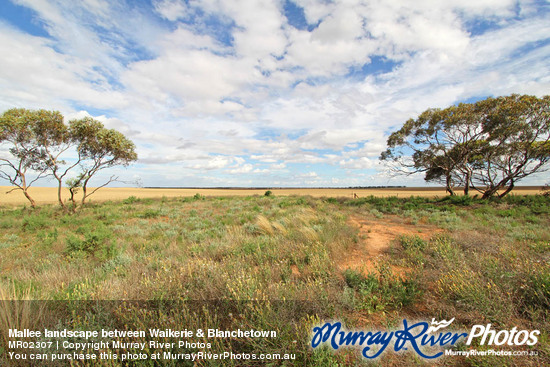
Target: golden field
(48, 195)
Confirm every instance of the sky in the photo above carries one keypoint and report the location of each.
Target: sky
(303, 93)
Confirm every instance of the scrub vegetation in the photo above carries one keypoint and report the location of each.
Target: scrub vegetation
(271, 262)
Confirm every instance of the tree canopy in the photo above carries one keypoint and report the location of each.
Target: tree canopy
(39, 144)
(27, 135)
(98, 148)
(487, 146)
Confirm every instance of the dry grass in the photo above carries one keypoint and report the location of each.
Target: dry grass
(16, 310)
(48, 195)
(488, 262)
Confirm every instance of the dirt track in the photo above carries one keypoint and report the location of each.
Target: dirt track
(376, 238)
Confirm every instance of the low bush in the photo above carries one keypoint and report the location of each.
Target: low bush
(412, 242)
(98, 242)
(382, 290)
(130, 200)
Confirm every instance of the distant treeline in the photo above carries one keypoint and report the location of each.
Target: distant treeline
(377, 187)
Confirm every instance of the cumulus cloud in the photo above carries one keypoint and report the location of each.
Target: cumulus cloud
(171, 9)
(236, 91)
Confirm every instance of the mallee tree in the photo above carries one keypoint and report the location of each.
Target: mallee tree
(98, 148)
(38, 144)
(25, 136)
(488, 146)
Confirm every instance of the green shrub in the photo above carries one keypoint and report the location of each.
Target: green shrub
(537, 292)
(35, 221)
(48, 238)
(150, 213)
(384, 290)
(464, 200)
(358, 281)
(412, 242)
(11, 240)
(130, 200)
(98, 242)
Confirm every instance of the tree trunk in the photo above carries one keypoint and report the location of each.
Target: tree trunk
(83, 194)
(449, 186)
(73, 191)
(490, 192)
(33, 203)
(84, 190)
(59, 195)
(24, 188)
(510, 188)
(467, 185)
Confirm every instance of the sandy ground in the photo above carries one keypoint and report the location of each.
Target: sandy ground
(376, 238)
(48, 195)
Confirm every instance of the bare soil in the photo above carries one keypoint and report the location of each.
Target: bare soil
(377, 237)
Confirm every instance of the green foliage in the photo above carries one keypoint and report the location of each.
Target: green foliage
(105, 147)
(356, 280)
(412, 242)
(293, 201)
(34, 222)
(37, 140)
(29, 138)
(382, 290)
(48, 238)
(92, 239)
(150, 213)
(131, 200)
(488, 146)
(464, 200)
(537, 204)
(268, 193)
(98, 148)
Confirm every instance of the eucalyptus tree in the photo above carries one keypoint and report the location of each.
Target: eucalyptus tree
(54, 140)
(24, 134)
(437, 144)
(517, 144)
(488, 146)
(98, 148)
(35, 144)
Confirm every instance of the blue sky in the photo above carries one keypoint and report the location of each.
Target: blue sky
(267, 93)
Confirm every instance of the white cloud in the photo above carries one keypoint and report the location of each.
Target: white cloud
(171, 9)
(35, 75)
(360, 163)
(246, 168)
(214, 163)
(234, 88)
(278, 166)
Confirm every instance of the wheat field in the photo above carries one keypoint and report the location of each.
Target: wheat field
(48, 195)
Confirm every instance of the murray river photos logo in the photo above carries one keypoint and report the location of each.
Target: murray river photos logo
(417, 337)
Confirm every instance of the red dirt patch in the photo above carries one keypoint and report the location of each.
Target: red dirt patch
(376, 238)
(295, 270)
